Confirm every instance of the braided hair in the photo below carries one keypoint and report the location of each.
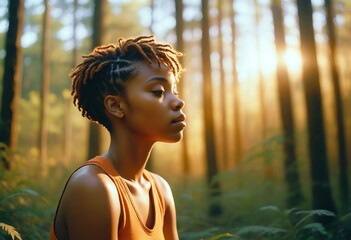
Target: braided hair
(105, 70)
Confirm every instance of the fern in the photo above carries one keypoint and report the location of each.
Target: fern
(223, 235)
(10, 230)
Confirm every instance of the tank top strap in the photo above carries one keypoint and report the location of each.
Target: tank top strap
(156, 190)
(104, 164)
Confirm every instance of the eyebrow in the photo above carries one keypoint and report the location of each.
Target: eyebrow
(158, 79)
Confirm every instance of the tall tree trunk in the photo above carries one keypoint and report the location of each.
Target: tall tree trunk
(152, 7)
(343, 173)
(180, 47)
(321, 191)
(45, 88)
(236, 92)
(262, 99)
(222, 88)
(11, 80)
(67, 130)
(291, 172)
(150, 162)
(95, 129)
(212, 169)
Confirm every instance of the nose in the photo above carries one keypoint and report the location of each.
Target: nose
(177, 104)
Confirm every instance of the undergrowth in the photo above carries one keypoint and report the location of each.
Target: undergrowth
(253, 208)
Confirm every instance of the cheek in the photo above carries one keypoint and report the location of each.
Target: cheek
(146, 114)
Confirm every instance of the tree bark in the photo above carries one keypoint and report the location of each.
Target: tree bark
(45, 88)
(94, 148)
(180, 47)
(291, 171)
(236, 92)
(222, 88)
(343, 173)
(11, 80)
(212, 169)
(321, 191)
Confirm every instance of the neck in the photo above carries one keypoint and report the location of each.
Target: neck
(129, 156)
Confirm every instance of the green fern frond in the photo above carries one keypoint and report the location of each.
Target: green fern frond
(222, 236)
(261, 230)
(20, 192)
(10, 230)
(310, 213)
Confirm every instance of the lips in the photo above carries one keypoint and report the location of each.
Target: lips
(180, 120)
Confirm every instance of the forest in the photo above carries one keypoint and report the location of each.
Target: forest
(267, 88)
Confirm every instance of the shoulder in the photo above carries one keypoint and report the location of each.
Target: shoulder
(90, 180)
(165, 189)
(90, 202)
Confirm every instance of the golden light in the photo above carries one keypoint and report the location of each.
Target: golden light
(293, 60)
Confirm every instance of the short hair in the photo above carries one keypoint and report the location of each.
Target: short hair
(105, 70)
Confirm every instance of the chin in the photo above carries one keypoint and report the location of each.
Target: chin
(173, 139)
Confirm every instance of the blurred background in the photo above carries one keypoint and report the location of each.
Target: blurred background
(267, 88)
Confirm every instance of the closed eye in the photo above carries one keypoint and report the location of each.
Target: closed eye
(158, 93)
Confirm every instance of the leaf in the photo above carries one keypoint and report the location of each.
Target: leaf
(315, 227)
(271, 208)
(10, 230)
(221, 236)
(17, 193)
(261, 230)
(311, 213)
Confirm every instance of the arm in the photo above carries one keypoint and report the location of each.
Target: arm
(91, 206)
(170, 221)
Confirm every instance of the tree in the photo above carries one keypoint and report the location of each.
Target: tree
(11, 77)
(262, 97)
(45, 87)
(236, 92)
(95, 129)
(210, 148)
(291, 172)
(67, 128)
(343, 173)
(321, 192)
(222, 87)
(180, 47)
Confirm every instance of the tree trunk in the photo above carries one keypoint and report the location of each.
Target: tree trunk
(262, 100)
(236, 93)
(343, 173)
(222, 89)
(150, 161)
(67, 128)
(180, 47)
(291, 171)
(212, 169)
(45, 88)
(94, 148)
(11, 80)
(321, 190)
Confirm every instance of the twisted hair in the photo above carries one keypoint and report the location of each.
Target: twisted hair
(105, 70)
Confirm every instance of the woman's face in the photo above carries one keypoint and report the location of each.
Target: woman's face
(153, 111)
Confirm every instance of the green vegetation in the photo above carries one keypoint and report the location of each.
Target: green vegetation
(253, 207)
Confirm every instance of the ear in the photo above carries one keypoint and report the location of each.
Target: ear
(113, 105)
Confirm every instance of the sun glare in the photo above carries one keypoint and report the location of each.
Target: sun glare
(293, 60)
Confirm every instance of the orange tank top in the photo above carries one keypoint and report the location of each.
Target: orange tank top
(132, 227)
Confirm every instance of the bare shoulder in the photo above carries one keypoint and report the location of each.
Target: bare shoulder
(170, 220)
(164, 187)
(90, 180)
(89, 206)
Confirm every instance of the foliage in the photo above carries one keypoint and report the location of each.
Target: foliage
(289, 224)
(5, 207)
(10, 230)
(28, 200)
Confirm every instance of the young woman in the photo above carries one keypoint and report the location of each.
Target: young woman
(131, 89)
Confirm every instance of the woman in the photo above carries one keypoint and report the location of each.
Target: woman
(130, 89)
